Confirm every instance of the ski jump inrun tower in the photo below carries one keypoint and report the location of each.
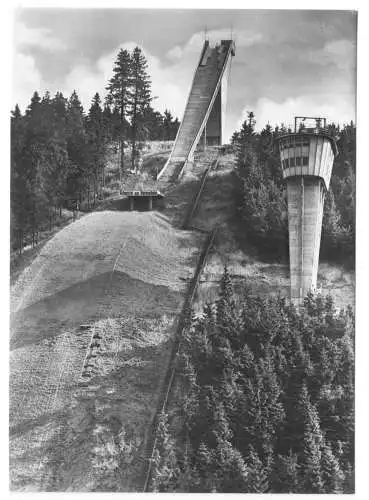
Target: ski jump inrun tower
(307, 156)
(205, 109)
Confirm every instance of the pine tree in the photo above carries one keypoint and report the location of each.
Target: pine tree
(19, 187)
(153, 123)
(245, 142)
(349, 481)
(285, 475)
(332, 475)
(258, 480)
(205, 464)
(170, 126)
(310, 456)
(97, 139)
(165, 467)
(119, 96)
(77, 147)
(189, 477)
(59, 105)
(226, 316)
(167, 125)
(139, 100)
(34, 159)
(54, 169)
(334, 235)
(221, 428)
(271, 414)
(232, 474)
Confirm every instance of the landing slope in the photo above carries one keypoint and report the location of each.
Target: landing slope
(106, 269)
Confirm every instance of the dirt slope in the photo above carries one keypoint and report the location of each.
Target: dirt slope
(125, 274)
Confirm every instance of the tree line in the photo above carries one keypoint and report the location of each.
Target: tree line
(262, 197)
(59, 152)
(267, 400)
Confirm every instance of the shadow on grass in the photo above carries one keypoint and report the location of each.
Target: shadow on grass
(30, 424)
(86, 301)
(217, 203)
(178, 199)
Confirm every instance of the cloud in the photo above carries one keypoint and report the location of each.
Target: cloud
(170, 84)
(41, 38)
(335, 109)
(26, 79)
(314, 81)
(26, 76)
(242, 38)
(341, 53)
(174, 53)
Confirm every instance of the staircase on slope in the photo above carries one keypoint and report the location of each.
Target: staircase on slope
(202, 160)
(180, 196)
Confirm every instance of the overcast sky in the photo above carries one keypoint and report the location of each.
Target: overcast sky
(287, 63)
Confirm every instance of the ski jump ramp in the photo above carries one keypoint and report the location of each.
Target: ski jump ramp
(205, 109)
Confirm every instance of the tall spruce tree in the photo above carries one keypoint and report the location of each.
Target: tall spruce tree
(119, 91)
(285, 478)
(139, 100)
(165, 467)
(170, 126)
(226, 311)
(331, 473)
(310, 456)
(19, 187)
(35, 158)
(97, 140)
(54, 168)
(77, 148)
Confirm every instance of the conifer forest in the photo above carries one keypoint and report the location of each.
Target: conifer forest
(267, 400)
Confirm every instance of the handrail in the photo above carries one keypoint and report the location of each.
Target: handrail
(182, 169)
(163, 169)
(194, 205)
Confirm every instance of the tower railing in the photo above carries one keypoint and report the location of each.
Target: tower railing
(290, 129)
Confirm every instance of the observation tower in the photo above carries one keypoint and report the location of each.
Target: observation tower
(307, 157)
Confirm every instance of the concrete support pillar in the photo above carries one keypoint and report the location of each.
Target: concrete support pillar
(131, 203)
(213, 127)
(150, 202)
(305, 214)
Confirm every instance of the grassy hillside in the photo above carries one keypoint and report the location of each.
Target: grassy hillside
(125, 274)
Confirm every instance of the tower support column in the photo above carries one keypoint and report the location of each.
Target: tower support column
(305, 214)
